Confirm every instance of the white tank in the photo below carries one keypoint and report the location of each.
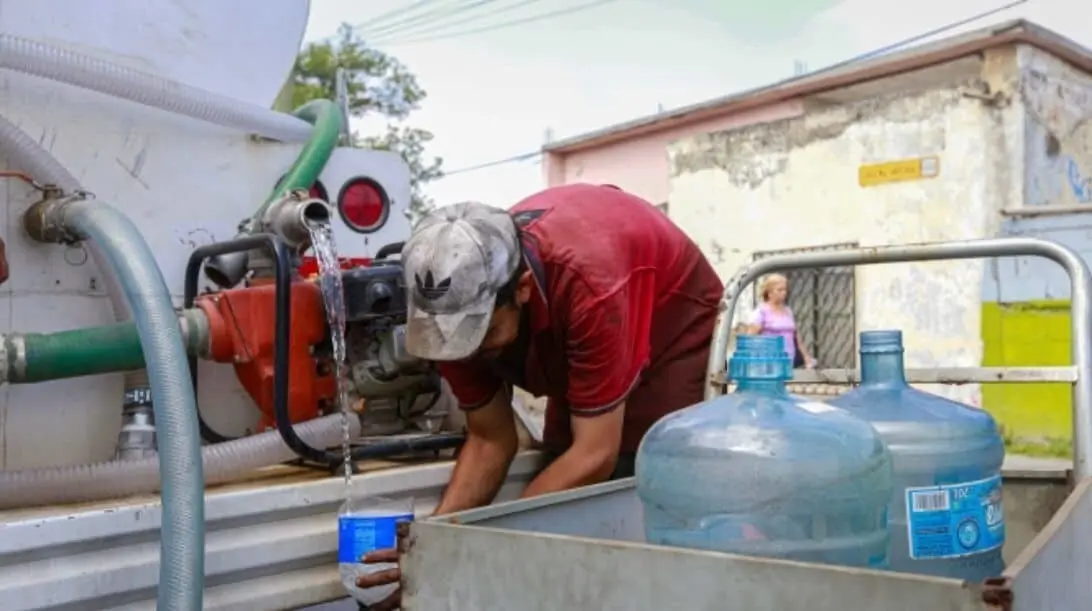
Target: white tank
(184, 183)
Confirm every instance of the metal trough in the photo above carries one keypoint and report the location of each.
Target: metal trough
(584, 549)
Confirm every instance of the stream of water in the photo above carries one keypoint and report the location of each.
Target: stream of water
(333, 297)
(364, 524)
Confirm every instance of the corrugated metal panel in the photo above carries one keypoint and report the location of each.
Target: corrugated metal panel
(268, 547)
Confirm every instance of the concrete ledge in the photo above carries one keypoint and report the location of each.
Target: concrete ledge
(1036, 468)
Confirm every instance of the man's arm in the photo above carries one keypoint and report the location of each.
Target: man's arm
(590, 459)
(482, 464)
(607, 347)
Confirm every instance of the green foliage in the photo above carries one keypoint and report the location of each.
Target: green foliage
(377, 84)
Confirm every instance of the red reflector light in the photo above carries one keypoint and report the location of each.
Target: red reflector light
(363, 205)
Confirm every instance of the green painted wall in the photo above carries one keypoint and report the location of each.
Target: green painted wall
(1036, 418)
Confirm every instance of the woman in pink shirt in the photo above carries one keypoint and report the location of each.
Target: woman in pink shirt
(774, 317)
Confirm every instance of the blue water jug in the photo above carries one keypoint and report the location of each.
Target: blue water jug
(763, 473)
(946, 513)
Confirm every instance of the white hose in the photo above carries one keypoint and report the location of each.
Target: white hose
(67, 66)
(224, 462)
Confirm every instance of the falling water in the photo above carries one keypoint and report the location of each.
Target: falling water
(333, 296)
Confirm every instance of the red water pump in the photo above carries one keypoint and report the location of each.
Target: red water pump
(275, 334)
(241, 326)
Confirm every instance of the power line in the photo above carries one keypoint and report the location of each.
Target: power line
(868, 55)
(426, 18)
(413, 30)
(382, 22)
(919, 37)
(489, 164)
(395, 13)
(505, 24)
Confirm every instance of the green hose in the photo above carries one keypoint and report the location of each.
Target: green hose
(38, 357)
(326, 117)
(68, 354)
(228, 269)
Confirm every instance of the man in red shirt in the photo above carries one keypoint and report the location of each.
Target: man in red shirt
(584, 294)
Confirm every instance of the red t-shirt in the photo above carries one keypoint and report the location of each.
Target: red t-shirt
(623, 310)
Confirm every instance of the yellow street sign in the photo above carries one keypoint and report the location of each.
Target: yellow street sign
(873, 174)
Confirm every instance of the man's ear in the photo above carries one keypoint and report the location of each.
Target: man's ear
(523, 289)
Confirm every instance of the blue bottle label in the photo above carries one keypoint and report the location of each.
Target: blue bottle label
(358, 535)
(955, 520)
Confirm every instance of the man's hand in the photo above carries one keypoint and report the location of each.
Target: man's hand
(383, 578)
(480, 467)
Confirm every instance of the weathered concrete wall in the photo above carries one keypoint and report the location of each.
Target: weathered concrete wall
(1026, 300)
(794, 183)
(639, 164)
(1025, 322)
(1058, 102)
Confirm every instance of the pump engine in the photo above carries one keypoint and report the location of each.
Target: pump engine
(399, 389)
(393, 391)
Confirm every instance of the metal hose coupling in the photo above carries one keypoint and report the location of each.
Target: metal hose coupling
(291, 217)
(44, 220)
(287, 217)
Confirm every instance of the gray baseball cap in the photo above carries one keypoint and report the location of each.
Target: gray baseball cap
(456, 261)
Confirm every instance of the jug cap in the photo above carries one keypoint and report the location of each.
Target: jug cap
(760, 357)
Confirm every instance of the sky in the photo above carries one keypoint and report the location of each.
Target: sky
(496, 94)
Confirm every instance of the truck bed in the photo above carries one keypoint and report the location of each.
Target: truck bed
(584, 549)
(271, 541)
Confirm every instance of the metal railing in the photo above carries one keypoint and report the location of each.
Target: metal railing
(1079, 374)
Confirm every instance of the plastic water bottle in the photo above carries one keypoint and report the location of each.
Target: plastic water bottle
(947, 469)
(763, 473)
(364, 525)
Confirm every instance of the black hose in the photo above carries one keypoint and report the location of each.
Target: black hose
(193, 268)
(395, 447)
(282, 269)
(282, 326)
(390, 249)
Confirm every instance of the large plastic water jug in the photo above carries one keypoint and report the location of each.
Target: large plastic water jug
(946, 513)
(760, 472)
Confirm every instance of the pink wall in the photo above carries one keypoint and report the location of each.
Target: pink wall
(639, 164)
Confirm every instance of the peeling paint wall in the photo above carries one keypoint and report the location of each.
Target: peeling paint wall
(639, 164)
(794, 183)
(1058, 101)
(1025, 322)
(1026, 300)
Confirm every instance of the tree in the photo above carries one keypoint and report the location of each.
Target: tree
(376, 84)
